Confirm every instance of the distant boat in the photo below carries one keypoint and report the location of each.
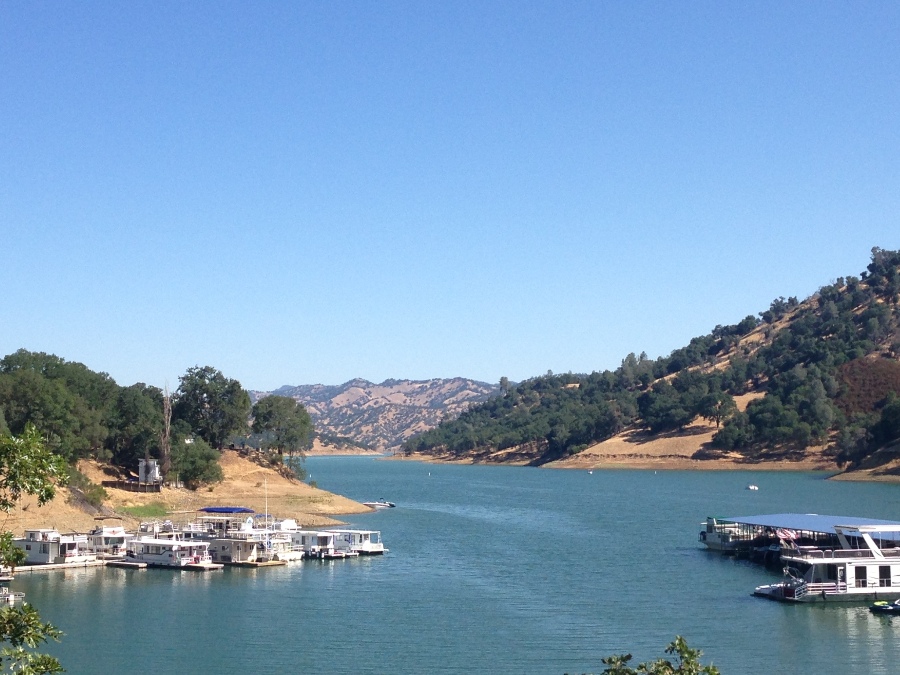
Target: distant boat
(752, 487)
(380, 504)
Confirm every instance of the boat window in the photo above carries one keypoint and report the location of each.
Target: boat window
(884, 575)
(860, 576)
(831, 572)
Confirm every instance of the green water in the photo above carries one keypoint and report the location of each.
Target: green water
(490, 570)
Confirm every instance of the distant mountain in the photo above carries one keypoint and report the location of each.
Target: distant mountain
(383, 416)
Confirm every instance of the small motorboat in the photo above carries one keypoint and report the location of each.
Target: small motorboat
(9, 598)
(885, 607)
(753, 487)
(380, 504)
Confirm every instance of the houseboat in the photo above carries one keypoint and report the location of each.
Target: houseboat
(167, 552)
(361, 542)
(849, 573)
(762, 538)
(235, 537)
(49, 547)
(109, 541)
(318, 544)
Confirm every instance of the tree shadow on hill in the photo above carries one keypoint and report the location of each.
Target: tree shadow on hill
(642, 436)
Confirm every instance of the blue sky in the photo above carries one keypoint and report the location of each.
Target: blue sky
(302, 193)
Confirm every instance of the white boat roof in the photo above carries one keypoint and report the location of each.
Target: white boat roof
(183, 543)
(814, 522)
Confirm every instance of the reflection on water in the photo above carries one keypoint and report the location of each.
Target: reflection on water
(490, 570)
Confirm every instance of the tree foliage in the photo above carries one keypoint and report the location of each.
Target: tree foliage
(284, 422)
(26, 467)
(214, 406)
(809, 359)
(686, 662)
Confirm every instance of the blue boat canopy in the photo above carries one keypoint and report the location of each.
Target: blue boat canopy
(810, 522)
(226, 509)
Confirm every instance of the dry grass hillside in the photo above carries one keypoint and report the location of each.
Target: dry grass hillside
(382, 416)
(246, 484)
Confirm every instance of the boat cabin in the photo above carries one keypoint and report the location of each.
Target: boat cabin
(844, 574)
(48, 546)
(172, 553)
(361, 542)
(109, 541)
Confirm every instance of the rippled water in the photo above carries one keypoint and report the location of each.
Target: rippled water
(490, 570)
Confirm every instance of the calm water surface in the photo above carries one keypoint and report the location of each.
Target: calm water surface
(490, 570)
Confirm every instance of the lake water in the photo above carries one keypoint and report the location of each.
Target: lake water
(490, 570)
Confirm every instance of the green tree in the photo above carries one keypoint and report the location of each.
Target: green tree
(285, 421)
(687, 662)
(213, 405)
(26, 467)
(136, 422)
(196, 462)
(717, 407)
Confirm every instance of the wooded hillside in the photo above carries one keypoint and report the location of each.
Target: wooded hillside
(827, 367)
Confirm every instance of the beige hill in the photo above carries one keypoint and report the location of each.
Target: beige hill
(246, 484)
(382, 416)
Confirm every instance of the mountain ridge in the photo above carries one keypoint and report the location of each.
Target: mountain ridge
(382, 416)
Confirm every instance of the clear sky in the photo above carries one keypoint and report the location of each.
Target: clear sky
(300, 193)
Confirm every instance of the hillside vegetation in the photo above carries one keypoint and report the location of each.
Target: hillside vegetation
(824, 371)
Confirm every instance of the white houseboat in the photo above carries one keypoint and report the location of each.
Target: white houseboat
(361, 542)
(189, 555)
(313, 543)
(49, 547)
(845, 574)
(237, 537)
(109, 541)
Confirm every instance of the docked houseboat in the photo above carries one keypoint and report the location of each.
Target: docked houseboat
(361, 542)
(314, 543)
(235, 537)
(762, 538)
(109, 541)
(179, 554)
(849, 573)
(50, 547)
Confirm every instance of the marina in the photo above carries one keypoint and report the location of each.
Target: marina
(217, 536)
(822, 557)
(464, 541)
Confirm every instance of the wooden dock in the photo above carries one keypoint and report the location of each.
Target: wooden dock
(52, 567)
(127, 564)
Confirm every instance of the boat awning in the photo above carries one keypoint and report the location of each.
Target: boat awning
(813, 522)
(226, 509)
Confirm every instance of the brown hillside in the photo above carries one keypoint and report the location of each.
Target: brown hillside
(245, 484)
(688, 448)
(866, 383)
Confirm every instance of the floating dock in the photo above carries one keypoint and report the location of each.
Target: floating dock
(127, 564)
(51, 567)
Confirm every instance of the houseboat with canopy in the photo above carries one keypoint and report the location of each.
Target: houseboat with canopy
(236, 538)
(866, 566)
(762, 538)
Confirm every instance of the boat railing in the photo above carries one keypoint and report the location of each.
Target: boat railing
(809, 553)
(830, 587)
